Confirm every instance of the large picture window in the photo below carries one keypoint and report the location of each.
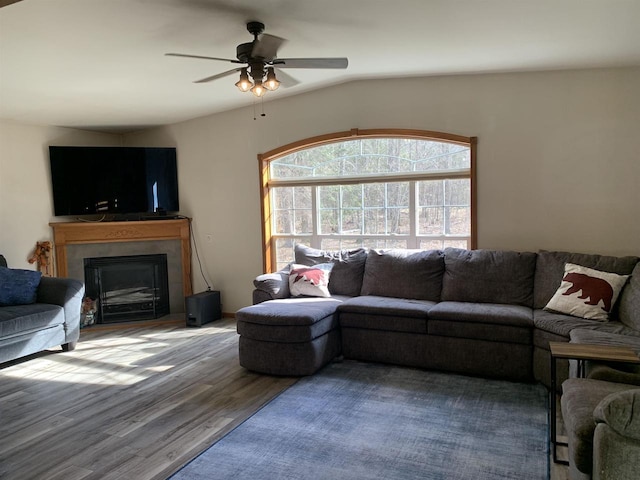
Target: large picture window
(372, 188)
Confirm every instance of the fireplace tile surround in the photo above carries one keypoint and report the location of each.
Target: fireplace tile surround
(75, 241)
(77, 253)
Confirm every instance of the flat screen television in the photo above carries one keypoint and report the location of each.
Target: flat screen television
(113, 180)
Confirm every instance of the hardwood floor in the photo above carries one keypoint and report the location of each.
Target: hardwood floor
(131, 402)
(134, 403)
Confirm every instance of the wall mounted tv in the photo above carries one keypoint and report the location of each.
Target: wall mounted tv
(113, 180)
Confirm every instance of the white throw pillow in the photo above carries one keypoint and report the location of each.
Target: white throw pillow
(587, 293)
(310, 281)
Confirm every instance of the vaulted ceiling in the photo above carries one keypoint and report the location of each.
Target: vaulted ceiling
(100, 64)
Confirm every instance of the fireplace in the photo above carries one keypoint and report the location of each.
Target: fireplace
(75, 241)
(132, 287)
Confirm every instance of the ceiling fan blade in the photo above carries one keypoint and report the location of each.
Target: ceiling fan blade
(200, 56)
(267, 46)
(4, 3)
(311, 62)
(217, 76)
(285, 79)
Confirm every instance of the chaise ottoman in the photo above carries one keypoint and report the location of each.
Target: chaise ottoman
(292, 336)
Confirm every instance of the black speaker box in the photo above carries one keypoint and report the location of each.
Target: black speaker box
(202, 308)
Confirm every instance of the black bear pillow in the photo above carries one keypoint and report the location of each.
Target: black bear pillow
(587, 293)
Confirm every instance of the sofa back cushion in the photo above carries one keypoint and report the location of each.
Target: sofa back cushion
(348, 267)
(550, 270)
(630, 301)
(488, 276)
(403, 273)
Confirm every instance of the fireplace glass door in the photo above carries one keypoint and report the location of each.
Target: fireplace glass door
(129, 287)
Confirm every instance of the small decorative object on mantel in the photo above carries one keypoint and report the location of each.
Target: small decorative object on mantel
(88, 312)
(42, 257)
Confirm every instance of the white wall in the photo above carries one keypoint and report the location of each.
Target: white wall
(558, 164)
(25, 184)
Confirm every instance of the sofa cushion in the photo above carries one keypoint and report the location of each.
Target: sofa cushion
(290, 311)
(292, 320)
(550, 270)
(596, 337)
(629, 305)
(310, 281)
(383, 323)
(18, 287)
(611, 372)
(561, 324)
(348, 268)
(587, 293)
(387, 306)
(617, 373)
(20, 319)
(497, 314)
(400, 273)
(488, 276)
(483, 321)
(385, 313)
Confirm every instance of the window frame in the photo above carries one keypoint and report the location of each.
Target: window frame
(264, 160)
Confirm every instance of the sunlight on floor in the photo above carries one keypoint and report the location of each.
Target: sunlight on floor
(123, 360)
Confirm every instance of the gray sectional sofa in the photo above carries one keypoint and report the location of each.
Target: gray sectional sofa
(51, 320)
(478, 312)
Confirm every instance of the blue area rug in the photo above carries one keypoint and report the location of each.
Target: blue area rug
(357, 420)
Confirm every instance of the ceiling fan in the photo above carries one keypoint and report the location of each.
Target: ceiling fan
(4, 3)
(259, 60)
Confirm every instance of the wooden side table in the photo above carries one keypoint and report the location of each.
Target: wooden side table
(581, 353)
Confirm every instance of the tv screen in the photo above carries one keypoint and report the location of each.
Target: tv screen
(119, 180)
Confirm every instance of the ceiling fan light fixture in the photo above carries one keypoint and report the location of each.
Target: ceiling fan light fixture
(244, 84)
(258, 90)
(272, 82)
(258, 76)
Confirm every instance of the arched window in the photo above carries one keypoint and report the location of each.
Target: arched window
(374, 188)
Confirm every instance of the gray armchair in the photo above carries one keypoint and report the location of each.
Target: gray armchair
(616, 440)
(603, 429)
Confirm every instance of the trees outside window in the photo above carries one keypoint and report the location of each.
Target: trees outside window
(370, 188)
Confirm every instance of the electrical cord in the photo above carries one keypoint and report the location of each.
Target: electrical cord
(195, 248)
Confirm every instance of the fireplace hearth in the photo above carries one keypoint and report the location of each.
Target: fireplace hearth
(132, 287)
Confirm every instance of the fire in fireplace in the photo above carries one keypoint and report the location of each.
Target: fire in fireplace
(128, 287)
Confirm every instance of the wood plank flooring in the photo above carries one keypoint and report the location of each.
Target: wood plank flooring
(133, 401)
